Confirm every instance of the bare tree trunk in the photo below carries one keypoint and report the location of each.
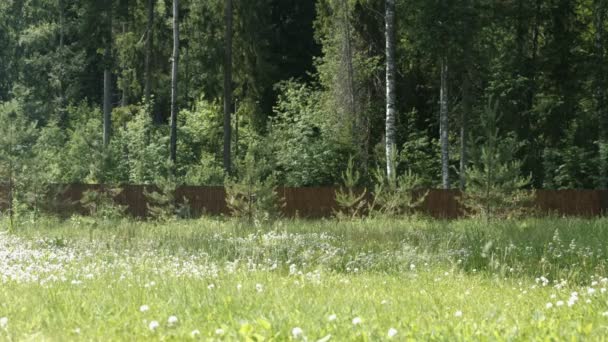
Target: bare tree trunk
(174, 60)
(227, 85)
(107, 79)
(467, 108)
(390, 88)
(443, 125)
(62, 112)
(125, 91)
(600, 86)
(347, 60)
(149, 28)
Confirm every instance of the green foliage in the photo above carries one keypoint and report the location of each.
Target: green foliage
(395, 196)
(495, 187)
(252, 194)
(17, 137)
(101, 203)
(420, 155)
(350, 199)
(303, 138)
(145, 148)
(162, 201)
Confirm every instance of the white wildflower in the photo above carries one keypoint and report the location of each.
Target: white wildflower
(392, 332)
(332, 317)
(144, 308)
(458, 313)
(297, 332)
(172, 320)
(559, 303)
(153, 325)
(3, 322)
(549, 305)
(219, 331)
(356, 321)
(195, 333)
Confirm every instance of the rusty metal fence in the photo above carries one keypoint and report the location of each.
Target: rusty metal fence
(318, 202)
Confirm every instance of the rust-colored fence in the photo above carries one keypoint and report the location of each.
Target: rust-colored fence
(317, 202)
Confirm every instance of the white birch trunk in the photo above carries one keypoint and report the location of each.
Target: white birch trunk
(390, 88)
(443, 125)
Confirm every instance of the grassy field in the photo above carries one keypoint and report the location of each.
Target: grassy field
(537, 279)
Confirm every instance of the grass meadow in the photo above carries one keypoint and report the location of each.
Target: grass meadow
(368, 280)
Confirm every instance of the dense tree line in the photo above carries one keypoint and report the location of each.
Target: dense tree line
(127, 91)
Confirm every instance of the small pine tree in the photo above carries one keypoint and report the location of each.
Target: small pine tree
(495, 187)
(252, 195)
(17, 136)
(101, 203)
(350, 200)
(395, 195)
(162, 204)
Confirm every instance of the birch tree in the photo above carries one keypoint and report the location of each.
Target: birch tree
(600, 88)
(444, 125)
(389, 33)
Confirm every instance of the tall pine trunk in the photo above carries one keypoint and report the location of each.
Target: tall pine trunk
(174, 61)
(62, 111)
(467, 108)
(227, 85)
(107, 78)
(443, 125)
(124, 100)
(600, 88)
(389, 33)
(148, 59)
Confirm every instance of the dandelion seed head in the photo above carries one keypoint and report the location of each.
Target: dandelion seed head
(297, 332)
(172, 320)
(153, 325)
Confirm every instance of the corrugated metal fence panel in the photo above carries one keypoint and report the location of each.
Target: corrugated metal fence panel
(441, 204)
(570, 202)
(308, 202)
(314, 202)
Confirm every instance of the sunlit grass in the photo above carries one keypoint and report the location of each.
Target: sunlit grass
(538, 279)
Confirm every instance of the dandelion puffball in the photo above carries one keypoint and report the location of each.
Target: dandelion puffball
(172, 320)
(153, 325)
(297, 332)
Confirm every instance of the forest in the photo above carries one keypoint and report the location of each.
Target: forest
(131, 91)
